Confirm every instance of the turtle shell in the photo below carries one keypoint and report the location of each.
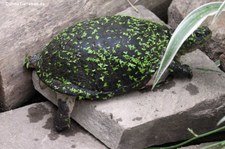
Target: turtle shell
(103, 57)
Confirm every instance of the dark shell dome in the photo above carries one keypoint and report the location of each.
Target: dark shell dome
(103, 57)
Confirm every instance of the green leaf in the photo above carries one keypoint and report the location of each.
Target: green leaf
(190, 23)
(192, 139)
(221, 121)
(219, 11)
(217, 145)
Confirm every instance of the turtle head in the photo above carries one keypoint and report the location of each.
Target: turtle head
(31, 61)
(195, 40)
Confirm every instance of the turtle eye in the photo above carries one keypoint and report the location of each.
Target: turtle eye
(198, 34)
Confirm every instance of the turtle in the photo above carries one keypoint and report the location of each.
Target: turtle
(105, 57)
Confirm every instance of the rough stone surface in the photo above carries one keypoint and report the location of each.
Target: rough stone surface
(31, 127)
(138, 120)
(142, 13)
(26, 26)
(180, 8)
(222, 61)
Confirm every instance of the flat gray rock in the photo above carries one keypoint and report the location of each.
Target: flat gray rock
(138, 120)
(142, 13)
(31, 127)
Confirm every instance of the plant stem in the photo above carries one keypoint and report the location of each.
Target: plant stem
(218, 144)
(190, 140)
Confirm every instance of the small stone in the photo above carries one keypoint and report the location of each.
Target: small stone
(222, 61)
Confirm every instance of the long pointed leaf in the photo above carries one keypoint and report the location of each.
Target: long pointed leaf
(183, 31)
(221, 121)
(220, 10)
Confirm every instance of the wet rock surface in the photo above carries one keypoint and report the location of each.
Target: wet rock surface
(31, 127)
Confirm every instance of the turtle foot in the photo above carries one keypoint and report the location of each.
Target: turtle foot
(181, 71)
(186, 73)
(62, 119)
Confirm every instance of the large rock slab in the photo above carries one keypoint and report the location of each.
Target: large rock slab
(30, 127)
(138, 120)
(26, 26)
(142, 13)
(180, 8)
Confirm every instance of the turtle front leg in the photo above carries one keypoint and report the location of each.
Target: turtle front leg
(180, 71)
(65, 107)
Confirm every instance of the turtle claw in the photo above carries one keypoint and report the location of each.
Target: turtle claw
(61, 122)
(187, 73)
(146, 88)
(181, 71)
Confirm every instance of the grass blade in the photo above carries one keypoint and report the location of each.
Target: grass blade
(192, 139)
(220, 10)
(221, 121)
(215, 145)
